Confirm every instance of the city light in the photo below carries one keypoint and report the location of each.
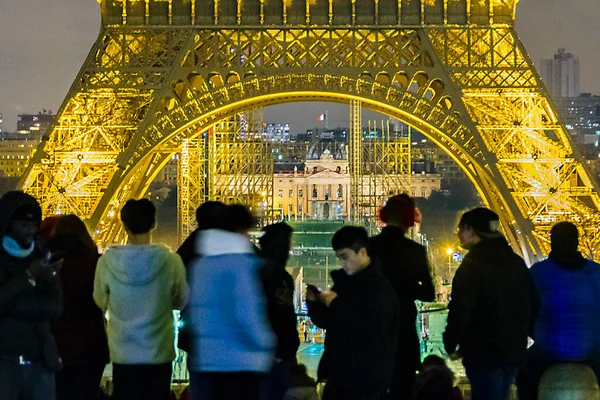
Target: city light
(449, 251)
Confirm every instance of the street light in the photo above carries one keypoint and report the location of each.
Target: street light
(449, 251)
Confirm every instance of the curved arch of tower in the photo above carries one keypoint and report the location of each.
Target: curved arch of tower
(164, 74)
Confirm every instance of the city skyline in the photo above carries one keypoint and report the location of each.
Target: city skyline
(39, 60)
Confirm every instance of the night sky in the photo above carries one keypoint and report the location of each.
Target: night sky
(43, 44)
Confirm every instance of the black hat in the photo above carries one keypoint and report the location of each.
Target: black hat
(484, 222)
(27, 212)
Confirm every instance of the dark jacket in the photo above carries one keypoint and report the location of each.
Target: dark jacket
(279, 293)
(493, 306)
(25, 310)
(79, 332)
(404, 263)
(187, 250)
(362, 332)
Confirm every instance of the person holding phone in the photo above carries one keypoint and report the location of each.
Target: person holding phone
(30, 297)
(361, 316)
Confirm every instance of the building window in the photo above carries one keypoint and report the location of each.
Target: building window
(300, 192)
(339, 192)
(315, 194)
(412, 193)
(423, 193)
(280, 194)
(326, 193)
(291, 193)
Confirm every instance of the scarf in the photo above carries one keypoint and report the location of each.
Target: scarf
(14, 249)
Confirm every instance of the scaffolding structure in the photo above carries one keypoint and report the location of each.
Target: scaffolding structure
(386, 171)
(191, 183)
(355, 154)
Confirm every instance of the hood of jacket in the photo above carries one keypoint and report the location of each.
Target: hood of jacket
(136, 265)
(10, 202)
(568, 261)
(216, 242)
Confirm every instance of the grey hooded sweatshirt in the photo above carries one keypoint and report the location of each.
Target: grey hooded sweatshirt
(140, 286)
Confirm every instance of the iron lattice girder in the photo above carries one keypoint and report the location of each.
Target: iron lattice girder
(472, 90)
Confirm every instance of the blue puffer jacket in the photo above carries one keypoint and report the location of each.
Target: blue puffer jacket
(226, 315)
(568, 323)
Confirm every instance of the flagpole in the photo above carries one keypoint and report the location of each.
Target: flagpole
(326, 120)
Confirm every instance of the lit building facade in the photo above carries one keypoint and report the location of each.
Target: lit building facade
(35, 123)
(561, 74)
(321, 190)
(277, 133)
(15, 152)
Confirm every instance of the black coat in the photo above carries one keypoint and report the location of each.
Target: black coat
(279, 292)
(25, 310)
(362, 331)
(404, 262)
(493, 306)
(79, 332)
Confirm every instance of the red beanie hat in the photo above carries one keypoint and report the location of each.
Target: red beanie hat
(399, 209)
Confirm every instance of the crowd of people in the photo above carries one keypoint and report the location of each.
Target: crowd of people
(66, 311)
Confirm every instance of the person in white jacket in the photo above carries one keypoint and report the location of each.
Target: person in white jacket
(138, 286)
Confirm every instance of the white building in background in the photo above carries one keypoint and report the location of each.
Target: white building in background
(561, 74)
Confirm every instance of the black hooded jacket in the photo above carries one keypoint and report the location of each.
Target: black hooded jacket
(362, 331)
(404, 263)
(493, 307)
(25, 309)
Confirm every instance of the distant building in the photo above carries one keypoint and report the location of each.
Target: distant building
(15, 151)
(319, 189)
(168, 175)
(427, 158)
(277, 133)
(561, 74)
(35, 123)
(1, 122)
(581, 116)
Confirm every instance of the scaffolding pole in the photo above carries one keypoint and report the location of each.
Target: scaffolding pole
(355, 161)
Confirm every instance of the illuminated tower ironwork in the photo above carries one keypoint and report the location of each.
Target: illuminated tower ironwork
(163, 71)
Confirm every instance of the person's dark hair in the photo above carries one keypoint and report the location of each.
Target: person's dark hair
(238, 218)
(484, 222)
(210, 215)
(139, 216)
(399, 210)
(351, 237)
(73, 227)
(564, 238)
(275, 243)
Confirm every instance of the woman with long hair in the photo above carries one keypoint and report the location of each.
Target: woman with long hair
(79, 333)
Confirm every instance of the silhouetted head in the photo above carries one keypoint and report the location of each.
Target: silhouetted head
(564, 238)
(238, 218)
(138, 216)
(477, 224)
(210, 215)
(71, 226)
(399, 211)
(276, 242)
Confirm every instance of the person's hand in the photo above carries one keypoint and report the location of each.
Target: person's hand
(41, 268)
(328, 296)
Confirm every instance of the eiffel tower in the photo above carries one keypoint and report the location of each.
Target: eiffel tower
(164, 74)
